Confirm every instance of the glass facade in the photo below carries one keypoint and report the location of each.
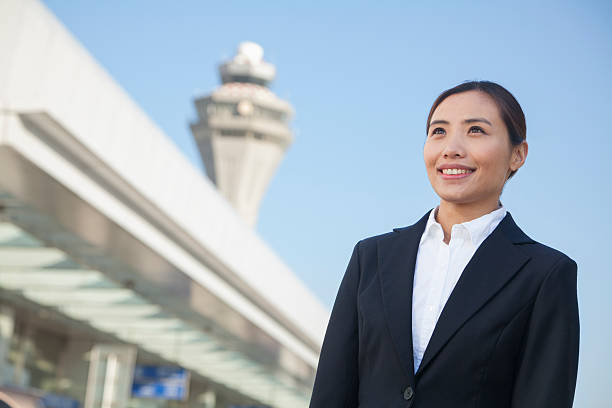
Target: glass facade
(48, 356)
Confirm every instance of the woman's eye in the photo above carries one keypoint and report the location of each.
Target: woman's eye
(437, 131)
(477, 129)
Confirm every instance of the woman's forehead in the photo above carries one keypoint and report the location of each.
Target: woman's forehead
(467, 105)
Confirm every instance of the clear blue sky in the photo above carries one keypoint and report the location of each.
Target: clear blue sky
(361, 77)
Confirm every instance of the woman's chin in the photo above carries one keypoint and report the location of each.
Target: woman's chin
(456, 197)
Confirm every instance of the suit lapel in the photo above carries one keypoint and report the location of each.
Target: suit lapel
(494, 263)
(396, 261)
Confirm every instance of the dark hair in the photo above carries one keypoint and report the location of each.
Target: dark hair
(508, 106)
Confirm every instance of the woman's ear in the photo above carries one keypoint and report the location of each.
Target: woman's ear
(519, 154)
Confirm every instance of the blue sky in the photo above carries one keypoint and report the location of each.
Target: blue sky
(361, 77)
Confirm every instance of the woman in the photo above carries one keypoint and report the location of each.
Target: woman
(461, 309)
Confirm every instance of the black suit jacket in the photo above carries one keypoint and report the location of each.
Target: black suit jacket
(507, 336)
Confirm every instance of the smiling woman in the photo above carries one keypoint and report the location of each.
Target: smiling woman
(475, 142)
(461, 309)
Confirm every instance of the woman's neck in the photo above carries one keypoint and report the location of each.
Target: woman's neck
(449, 213)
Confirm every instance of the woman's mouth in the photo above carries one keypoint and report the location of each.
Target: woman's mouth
(455, 173)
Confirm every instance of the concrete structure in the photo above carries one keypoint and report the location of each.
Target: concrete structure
(242, 130)
(109, 235)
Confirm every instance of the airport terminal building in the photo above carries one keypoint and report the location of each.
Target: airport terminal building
(129, 278)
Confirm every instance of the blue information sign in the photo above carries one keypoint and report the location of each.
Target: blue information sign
(57, 401)
(249, 406)
(170, 383)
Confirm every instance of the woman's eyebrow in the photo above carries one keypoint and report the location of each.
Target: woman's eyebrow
(471, 120)
(444, 122)
(477, 120)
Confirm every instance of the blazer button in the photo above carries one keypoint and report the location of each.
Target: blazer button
(408, 393)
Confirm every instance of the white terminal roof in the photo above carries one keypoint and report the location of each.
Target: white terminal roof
(45, 69)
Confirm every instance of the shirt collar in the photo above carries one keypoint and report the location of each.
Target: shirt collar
(478, 229)
(432, 228)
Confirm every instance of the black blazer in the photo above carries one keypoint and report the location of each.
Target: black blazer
(507, 336)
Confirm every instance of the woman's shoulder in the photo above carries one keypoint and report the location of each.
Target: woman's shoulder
(537, 248)
(397, 232)
(400, 238)
(526, 243)
(374, 239)
(542, 258)
(547, 256)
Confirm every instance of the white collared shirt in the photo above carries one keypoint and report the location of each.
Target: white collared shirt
(438, 268)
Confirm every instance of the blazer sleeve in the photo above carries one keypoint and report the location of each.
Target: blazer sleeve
(546, 375)
(337, 381)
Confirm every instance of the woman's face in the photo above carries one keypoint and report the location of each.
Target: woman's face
(468, 154)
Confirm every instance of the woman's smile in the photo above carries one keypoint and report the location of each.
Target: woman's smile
(454, 171)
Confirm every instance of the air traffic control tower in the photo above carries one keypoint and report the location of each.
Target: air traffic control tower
(242, 130)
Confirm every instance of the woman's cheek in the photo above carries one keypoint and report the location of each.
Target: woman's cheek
(431, 152)
(490, 155)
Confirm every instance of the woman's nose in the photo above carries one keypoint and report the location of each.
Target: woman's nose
(453, 147)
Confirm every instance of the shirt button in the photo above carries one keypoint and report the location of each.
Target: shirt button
(408, 393)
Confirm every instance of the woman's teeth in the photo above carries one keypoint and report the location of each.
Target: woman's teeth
(456, 171)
